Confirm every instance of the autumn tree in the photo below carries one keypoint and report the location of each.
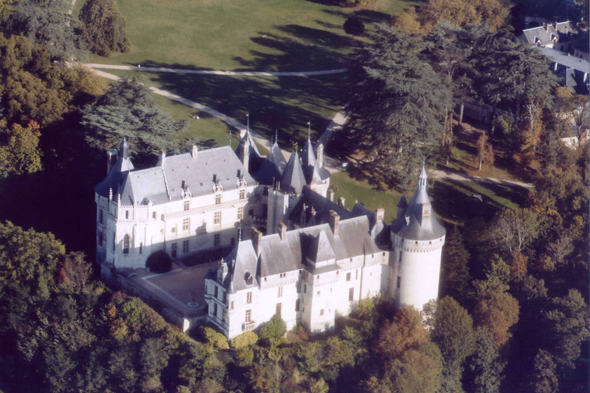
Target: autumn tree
(104, 27)
(19, 149)
(498, 312)
(485, 152)
(408, 21)
(453, 334)
(404, 332)
(463, 12)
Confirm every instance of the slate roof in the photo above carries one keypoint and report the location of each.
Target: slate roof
(411, 225)
(161, 184)
(568, 61)
(116, 177)
(272, 167)
(322, 206)
(311, 169)
(284, 255)
(535, 34)
(293, 178)
(378, 228)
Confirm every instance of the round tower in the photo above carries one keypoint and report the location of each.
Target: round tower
(417, 239)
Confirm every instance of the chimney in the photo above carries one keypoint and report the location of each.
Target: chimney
(194, 151)
(243, 132)
(545, 26)
(282, 230)
(257, 241)
(111, 158)
(319, 152)
(245, 153)
(223, 270)
(162, 158)
(334, 222)
(341, 201)
(555, 25)
(331, 195)
(380, 214)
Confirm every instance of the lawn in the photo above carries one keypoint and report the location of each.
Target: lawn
(241, 34)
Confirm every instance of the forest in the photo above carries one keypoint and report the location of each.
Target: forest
(513, 309)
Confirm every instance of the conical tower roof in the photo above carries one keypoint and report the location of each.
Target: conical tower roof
(272, 167)
(293, 178)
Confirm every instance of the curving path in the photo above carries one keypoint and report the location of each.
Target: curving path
(331, 164)
(213, 72)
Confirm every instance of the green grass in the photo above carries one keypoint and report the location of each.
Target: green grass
(237, 34)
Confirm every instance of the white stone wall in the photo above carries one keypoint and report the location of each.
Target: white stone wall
(418, 270)
(157, 227)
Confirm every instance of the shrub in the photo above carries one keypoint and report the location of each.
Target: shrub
(216, 339)
(244, 340)
(273, 329)
(354, 26)
(245, 356)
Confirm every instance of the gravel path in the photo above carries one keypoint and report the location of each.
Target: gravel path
(213, 72)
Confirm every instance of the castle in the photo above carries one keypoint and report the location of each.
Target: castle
(287, 248)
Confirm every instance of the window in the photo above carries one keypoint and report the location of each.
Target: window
(154, 215)
(357, 274)
(216, 290)
(114, 240)
(217, 218)
(224, 297)
(304, 288)
(298, 286)
(216, 239)
(251, 212)
(140, 248)
(215, 310)
(242, 194)
(231, 305)
(126, 244)
(400, 257)
(173, 248)
(249, 298)
(187, 205)
(185, 246)
(399, 282)
(127, 214)
(218, 199)
(162, 217)
(240, 213)
(186, 224)
(319, 293)
(322, 312)
(173, 229)
(224, 315)
(278, 310)
(239, 234)
(280, 291)
(100, 216)
(351, 294)
(100, 238)
(348, 276)
(264, 210)
(265, 192)
(297, 304)
(250, 280)
(248, 316)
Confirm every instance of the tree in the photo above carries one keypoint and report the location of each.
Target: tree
(484, 366)
(19, 150)
(408, 21)
(533, 115)
(453, 334)
(567, 327)
(273, 329)
(416, 371)
(44, 22)
(404, 332)
(464, 12)
(498, 312)
(544, 378)
(127, 110)
(515, 229)
(455, 271)
(104, 27)
(354, 26)
(485, 152)
(403, 102)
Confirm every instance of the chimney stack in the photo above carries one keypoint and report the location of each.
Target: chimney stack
(341, 201)
(555, 25)
(331, 195)
(194, 151)
(111, 158)
(257, 241)
(545, 26)
(162, 159)
(282, 230)
(334, 222)
(319, 152)
(380, 214)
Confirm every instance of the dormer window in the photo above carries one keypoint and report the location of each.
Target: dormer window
(218, 199)
(249, 279)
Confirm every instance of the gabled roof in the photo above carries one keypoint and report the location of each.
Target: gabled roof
(321, 250)
(322, 207)
(293, 178)
(415, 225)
(272, 167)
(540, 35)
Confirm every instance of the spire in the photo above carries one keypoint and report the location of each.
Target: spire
(422, 179)
(308, 130)
(124, 149)
(276, 136)
(247, 122)
(403, 203)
